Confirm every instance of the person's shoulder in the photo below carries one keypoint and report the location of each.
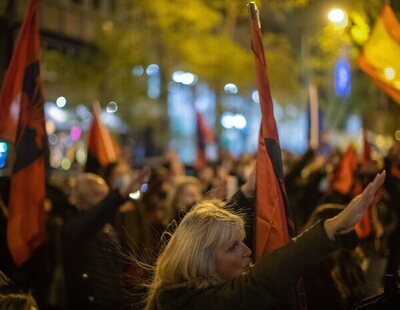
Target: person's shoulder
(180, 298)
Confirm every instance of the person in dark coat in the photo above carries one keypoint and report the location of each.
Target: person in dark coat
(91, 252)
(206, 265)
(336, 282)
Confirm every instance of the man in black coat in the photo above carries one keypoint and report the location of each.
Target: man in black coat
(91, 252)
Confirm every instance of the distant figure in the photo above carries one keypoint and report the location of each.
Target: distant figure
(337, 282)
(185, 193)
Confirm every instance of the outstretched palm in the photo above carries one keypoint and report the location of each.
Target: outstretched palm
(354, 211)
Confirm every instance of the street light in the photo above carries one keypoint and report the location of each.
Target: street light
(353, 22)
(390, 74)
(338, 17)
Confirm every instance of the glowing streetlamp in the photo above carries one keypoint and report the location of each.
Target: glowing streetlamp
(390, 74)
(338, 17)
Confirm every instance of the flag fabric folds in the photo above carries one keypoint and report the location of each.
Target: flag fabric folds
(380, 56)
(204, 136)
(364, 227)
(274, 221)
(102, 148)
(274, 224)
(343, 176)
(22, 124)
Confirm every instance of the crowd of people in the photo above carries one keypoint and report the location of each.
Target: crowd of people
(167, 236)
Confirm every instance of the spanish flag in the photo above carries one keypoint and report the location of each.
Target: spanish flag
(379, 58)
(102, 148)
(22, 124)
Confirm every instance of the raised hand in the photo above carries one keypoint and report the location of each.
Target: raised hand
(353, 212)
(136, 183)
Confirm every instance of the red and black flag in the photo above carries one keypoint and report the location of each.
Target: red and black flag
(274, 224)
(204, 135)
(102, 148)
(274, 221)
(22, 125)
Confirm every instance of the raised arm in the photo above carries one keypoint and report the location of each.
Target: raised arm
(352, 214)
(273, 274)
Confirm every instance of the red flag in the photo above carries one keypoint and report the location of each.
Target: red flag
(343, 177)
(102, 148)
(22, 124)
(364, 227)
(204, 136)
(274, 222)
(274, 227)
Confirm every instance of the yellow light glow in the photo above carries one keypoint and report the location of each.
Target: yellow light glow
(396, 84)
(338, 17)
(66, 164)
(81, 156)
(390, 74)
(108, 25)
(135, 195)
(397, 135)
(380, 141)
(360, 33)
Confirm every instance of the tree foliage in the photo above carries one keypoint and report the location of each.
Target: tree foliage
(211, 38)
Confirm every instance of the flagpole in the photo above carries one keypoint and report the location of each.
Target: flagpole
(314, 120)
(271, 200)
(254, 13)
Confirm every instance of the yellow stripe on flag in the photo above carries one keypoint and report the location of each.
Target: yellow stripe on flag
(380, 56)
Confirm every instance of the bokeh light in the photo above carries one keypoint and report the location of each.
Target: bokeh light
(61, 102)
(112, 107)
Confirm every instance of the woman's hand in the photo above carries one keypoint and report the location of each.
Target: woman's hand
(353, 212)
(135, 183)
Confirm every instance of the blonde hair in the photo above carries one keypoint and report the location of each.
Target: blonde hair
(188, 260)
(17, 302)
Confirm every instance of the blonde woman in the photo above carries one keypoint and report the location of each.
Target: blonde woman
(206, 265)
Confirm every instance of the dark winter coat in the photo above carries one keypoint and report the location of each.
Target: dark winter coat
(263, 286)
(92, 257)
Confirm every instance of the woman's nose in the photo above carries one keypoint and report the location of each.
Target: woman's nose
(246, 251)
